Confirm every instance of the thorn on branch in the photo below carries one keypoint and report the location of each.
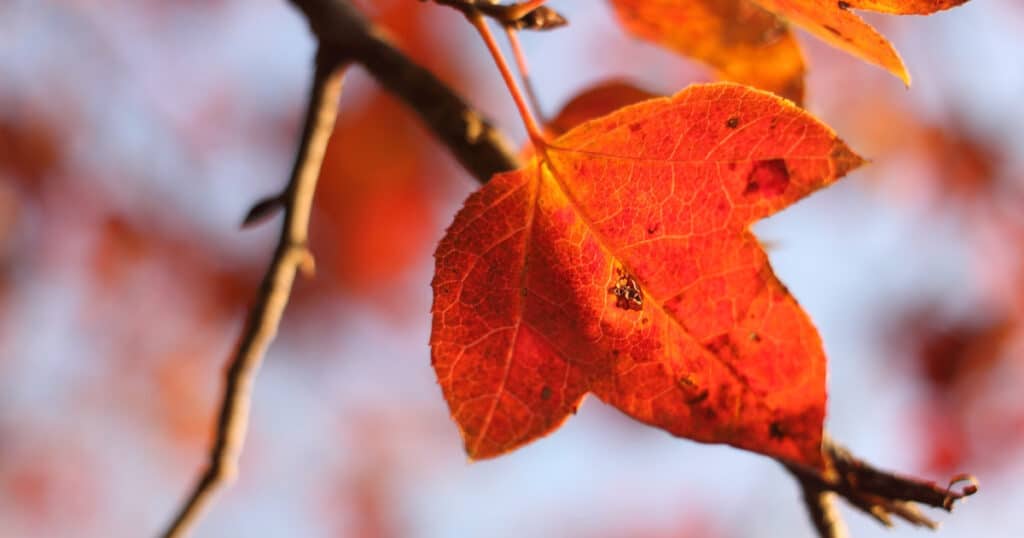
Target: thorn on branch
(305, 261)
(262, 210)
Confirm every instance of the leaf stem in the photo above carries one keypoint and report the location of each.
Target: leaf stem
(524, 71)
(534, 131)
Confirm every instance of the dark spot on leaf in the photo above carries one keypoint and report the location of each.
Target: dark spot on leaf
(722, 346)
(769, 177)
(732, 165)
(698, 398)
(634, 127)
(754, 337)
(715, 345)
(732, 122)
(628, 295)
(652, 228)
(775, 431)
(773, 123)
(843, 5)
(545, 393)
(831, 29)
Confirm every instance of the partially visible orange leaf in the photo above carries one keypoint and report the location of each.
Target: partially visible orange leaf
(835, 24)
(621, 263)
(741, 40)
(596, 101)
(904, 7)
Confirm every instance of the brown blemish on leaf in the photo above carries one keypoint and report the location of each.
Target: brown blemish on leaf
(703, 395)
(732, 122)
(627, 292)
(723, 346)
(545, 393)
(769, 177)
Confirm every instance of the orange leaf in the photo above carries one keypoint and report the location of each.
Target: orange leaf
(621, 264)
(835, 24)
(742, 41)
(733, 36)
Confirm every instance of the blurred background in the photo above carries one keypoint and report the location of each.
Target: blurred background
(135, 135)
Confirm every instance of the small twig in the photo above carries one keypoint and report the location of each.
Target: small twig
(343, 36)
(821, 508)
(877, 493)
(291, 256)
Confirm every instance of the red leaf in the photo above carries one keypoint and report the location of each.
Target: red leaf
(597, 101)
(621, 264)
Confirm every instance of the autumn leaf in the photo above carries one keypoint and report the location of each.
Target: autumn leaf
(621, 264)
(596, 101)
(373, 200)
(750, 46)
(742, 41)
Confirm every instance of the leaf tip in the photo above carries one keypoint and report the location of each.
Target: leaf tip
(845, 159)
(904, 76)
(896, 66)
